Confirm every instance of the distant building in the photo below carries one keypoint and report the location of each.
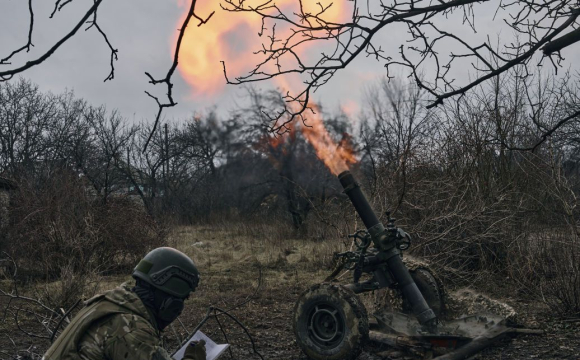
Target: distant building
(6, 185)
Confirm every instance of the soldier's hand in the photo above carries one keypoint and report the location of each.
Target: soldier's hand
(195, 351)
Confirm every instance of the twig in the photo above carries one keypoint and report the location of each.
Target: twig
(167, 79)
(29, 43)
(8, 74)
(64, 316)
(114, 51)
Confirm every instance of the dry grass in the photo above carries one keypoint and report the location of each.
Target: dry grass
(233, 262)
(218, 249)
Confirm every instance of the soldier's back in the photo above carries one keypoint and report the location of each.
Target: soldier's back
(123, 337)
(115, 325)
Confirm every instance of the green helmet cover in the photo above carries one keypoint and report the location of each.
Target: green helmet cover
(168, 270)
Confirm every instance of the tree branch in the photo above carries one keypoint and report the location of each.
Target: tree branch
(167, 79)
(29, 43)
(8, 74)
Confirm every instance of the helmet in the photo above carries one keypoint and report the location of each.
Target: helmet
(168, 270)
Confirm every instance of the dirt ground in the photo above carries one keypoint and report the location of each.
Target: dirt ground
(258, 280)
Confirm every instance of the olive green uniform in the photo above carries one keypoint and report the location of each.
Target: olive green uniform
(113, 326)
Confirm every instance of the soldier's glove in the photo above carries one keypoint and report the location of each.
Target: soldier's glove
(195, 351)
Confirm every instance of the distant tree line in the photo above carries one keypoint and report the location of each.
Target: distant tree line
(195, 170)
(206, 166)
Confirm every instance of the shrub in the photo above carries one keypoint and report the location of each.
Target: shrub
(548, 266)
(60, 231)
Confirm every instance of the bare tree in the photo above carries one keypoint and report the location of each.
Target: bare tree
(89, 19)
(111, 137)
(26, 117)
(424, 52)
(400, 133)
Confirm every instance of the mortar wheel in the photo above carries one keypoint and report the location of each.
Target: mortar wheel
(430, 288)
(330, 323)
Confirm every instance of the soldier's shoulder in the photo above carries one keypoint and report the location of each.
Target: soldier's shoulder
(120, 295)
(119, 325)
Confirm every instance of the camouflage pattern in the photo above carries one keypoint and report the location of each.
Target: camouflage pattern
(122, 336)
(114, 326)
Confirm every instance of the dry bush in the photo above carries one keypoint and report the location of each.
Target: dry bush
(545, 258)
(547, 266)
(61, 232)
(560, 285)
(520, 225)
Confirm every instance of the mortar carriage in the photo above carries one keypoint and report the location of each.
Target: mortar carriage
(330, 321)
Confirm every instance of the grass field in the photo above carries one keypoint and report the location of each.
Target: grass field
(233, 265)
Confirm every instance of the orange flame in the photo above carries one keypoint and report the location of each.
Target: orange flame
(232, 38)
(280, 141)
(336, 156)
(277, 146)
(227, 37)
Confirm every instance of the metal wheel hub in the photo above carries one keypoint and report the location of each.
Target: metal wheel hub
(326, 325)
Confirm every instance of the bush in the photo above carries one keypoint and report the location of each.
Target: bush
(61, 231)
(548, 266)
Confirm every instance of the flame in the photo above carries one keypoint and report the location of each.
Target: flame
(232, 38)
(281, 141)
(336, 156)
(277, 147)
(227, 37)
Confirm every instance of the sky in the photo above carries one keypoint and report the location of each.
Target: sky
(144, 32)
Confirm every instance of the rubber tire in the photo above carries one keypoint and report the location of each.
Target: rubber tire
(431, 290)
(350, 308)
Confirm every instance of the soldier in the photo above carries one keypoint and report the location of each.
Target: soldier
(125, 323)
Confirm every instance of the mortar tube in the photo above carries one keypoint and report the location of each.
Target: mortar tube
(411, 292)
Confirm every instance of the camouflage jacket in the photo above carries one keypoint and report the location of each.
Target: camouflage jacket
(112, 326)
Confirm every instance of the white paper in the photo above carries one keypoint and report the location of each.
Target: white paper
(212, 349)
